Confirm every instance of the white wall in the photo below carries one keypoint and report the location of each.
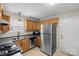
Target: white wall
(68, 27)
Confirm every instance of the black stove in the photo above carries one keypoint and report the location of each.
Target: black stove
(8, 49)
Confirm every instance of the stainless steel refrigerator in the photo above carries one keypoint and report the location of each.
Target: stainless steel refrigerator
(48, 38)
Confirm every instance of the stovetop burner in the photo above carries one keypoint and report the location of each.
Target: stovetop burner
(3, 53)
(8, 49)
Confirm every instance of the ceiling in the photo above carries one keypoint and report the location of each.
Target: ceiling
(40, 10)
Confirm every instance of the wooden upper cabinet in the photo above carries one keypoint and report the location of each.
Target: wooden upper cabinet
(6, 27)
(0, 14)
(28, 25)
(0, 28)
(38, 25)
(34, 25)
(44, 22)
(31, 25)
(53, 20)
(1, 9)
(0, 19)
(6, 17)
(50, 21)
(1, 6)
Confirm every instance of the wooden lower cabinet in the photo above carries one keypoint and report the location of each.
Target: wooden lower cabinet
(38, 41)
(0, 28)
(24, 44)
(18, 42)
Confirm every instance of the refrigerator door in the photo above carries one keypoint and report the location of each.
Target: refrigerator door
(54, 30)
(48, 39)
(45, 28)
(46, 44)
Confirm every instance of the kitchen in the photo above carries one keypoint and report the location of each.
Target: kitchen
(23, 34)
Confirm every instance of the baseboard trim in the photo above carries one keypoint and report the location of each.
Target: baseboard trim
(66, 53)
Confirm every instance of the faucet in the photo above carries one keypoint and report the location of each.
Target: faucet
(18, 35)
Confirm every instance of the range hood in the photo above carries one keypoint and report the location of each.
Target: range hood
(3, 22)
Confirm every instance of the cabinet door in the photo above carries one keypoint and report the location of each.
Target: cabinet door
(39, 41)
(0, 19)
(0, 14)
(19, 43)
(1, 6)
(36, 42)
(6, 17)
(25, 45)
(1, 10)
(29, 25)
(38, 25)
(6, 27)
(34, 26)
(0, 28)
(53, 20)
(44, 22)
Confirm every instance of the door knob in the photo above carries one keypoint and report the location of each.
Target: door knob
(61, 36)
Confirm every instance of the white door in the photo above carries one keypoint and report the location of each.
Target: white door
(69, 35)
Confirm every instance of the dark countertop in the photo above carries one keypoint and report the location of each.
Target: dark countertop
(26, 36)
(10, 35)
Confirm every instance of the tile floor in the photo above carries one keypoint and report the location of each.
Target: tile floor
(36, 52)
